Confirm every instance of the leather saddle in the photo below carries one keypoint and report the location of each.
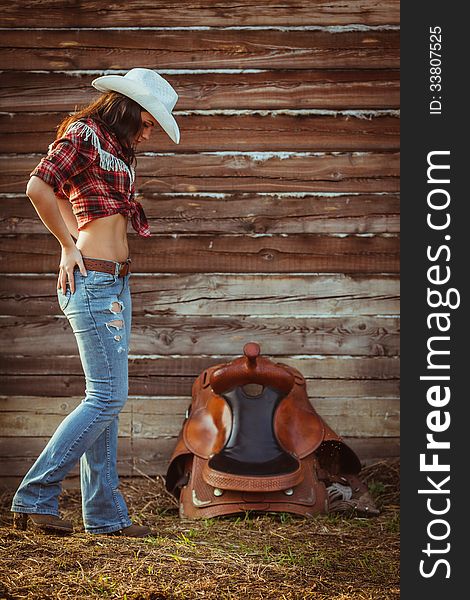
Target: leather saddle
(251, 440)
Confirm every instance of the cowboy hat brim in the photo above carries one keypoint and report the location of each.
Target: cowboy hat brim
(129, 88)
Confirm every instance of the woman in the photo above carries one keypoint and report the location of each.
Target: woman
(84, 189)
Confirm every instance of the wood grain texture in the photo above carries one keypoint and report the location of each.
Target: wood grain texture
(313, 367)
(147, 13)
(242, 131)
(247, 213)
(156, 417)
(276, 219)
(150, 456)
(36, 253)
(319, 89)
(135, 455)
(218, 294)
(57, 385)
(231, 172)
(225, 49)
(356, 336)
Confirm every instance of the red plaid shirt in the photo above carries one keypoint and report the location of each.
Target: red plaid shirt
(87, 166)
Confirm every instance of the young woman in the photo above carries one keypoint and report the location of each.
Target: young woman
(84, 189)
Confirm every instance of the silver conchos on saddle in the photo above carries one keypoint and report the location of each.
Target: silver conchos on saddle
(266, 450)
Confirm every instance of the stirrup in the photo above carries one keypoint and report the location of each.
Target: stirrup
(344, 499)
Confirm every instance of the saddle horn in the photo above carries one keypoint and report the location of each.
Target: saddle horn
(251, 368)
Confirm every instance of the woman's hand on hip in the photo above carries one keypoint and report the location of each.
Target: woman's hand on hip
(44, 201)
(71, 256)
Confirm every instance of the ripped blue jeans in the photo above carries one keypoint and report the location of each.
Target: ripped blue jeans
(99, 313)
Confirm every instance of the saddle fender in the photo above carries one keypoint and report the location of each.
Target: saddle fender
(208, 426)
(298, 427)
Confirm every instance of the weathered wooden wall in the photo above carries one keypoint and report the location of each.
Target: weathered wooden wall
(276, 219)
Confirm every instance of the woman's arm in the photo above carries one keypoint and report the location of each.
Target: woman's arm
(44, 201)
(66, 211)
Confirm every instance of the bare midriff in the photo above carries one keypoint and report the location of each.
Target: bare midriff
(105, 238)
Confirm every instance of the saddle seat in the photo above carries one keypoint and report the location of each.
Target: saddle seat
(252, 459)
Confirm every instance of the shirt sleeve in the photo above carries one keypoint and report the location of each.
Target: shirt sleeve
(67, 156)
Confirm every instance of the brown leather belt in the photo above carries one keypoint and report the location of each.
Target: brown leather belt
(107, 266)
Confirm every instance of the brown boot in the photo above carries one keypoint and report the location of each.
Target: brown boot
(138, 531)
(47, 523)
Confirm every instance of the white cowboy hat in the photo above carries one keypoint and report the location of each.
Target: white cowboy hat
(150, 90)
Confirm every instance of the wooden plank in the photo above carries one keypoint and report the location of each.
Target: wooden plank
(30, 447)
(82, 58)
(271, 213)
(183, 49)
(373, 450)
(241, 213)
(135, 455)
(269, 172)
(154, 418)
(151, 456)
(258, 44)
(158, 450)
(47, 413)
(265, 90)
(367, 418)
(167, 335)
(59, 385)
(242, 131)
(166, 13)
(374, 418)
(44, 418)
(312, 367)
(37, 253)
(216, 294)
(243, 172)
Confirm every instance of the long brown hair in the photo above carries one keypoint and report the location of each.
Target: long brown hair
(118, 113)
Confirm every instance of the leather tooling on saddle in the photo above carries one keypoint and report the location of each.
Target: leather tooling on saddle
(266, 451)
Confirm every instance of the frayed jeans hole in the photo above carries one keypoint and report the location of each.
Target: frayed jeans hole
(116, 324)
(116, 307)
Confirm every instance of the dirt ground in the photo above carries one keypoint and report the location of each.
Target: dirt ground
(265, 556)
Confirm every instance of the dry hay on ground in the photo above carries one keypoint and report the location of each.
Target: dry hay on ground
(266, 556)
